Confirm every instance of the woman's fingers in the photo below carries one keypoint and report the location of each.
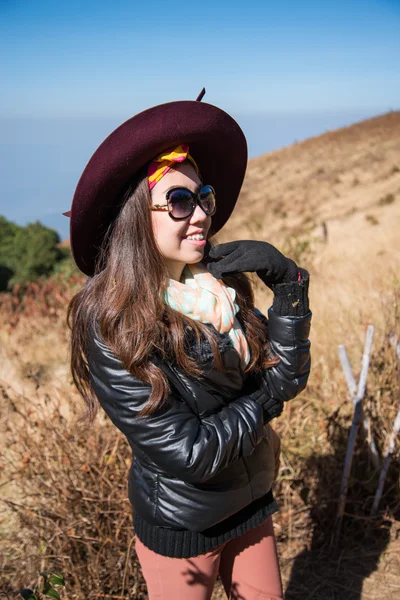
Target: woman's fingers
(228, 264)
(223, 249)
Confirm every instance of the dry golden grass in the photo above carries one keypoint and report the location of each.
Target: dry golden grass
(332, 203)
(325, 178)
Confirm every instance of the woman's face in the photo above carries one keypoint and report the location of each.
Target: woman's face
(171, 235)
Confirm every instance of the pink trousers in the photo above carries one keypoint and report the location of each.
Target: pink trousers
(248, 566)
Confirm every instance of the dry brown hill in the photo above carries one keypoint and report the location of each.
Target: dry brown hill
(332, 202)
(331, 176)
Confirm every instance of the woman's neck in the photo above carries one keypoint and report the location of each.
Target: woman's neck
(175, 269)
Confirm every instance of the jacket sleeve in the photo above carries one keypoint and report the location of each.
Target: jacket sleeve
(289, 321)
(289, 338)
(191, 448)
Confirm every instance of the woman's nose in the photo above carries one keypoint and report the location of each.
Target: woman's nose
(198, 215)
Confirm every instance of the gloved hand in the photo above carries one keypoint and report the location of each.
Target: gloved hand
(249, 255)
(272, 407)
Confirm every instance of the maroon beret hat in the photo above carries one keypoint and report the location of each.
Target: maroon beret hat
(216, 142)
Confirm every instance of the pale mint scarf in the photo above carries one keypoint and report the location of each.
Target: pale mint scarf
(204, 298)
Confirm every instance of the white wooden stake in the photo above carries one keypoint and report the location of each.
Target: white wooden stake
(352, 387)
(354, 426)
(395, 343)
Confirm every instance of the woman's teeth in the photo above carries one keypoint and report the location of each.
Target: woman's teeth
(197, 236)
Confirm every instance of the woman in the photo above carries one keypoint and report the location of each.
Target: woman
(165, 336)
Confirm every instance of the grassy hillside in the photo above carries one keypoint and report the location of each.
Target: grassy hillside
(333, 204)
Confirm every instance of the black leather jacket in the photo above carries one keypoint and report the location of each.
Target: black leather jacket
(207, 453)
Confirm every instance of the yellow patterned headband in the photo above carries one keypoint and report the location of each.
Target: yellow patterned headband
(160, 165)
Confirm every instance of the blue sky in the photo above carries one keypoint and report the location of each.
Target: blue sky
(72, 71)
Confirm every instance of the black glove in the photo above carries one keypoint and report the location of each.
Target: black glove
(271, 407)
(249, 255)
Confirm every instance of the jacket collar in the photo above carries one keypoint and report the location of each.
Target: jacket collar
(202, 351)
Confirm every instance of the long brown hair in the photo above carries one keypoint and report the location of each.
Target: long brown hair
(124, 300)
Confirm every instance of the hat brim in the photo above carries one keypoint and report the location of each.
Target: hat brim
(216, 142)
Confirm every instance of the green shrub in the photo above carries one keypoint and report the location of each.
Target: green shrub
(26, 253)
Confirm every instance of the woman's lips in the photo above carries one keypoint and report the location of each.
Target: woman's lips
(199, 243)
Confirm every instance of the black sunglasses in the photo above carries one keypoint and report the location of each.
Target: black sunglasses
(181, 202)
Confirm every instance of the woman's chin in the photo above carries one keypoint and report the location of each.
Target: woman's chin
(195, 260)
(194, 255)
